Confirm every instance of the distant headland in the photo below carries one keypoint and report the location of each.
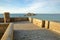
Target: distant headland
(29, 14)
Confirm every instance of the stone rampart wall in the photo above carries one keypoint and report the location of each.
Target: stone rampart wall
(16, 19)
(8, 34)
(54, 26)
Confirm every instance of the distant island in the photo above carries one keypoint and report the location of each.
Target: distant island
(29, 14)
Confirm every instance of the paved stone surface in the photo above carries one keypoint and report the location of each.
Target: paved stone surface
(28, 31)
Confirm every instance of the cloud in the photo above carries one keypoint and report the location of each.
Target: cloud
(30, 8)
(33, 7)
(8, 0)
(36, 6)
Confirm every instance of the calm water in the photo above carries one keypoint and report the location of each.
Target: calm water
(50, 17)
(13, 15)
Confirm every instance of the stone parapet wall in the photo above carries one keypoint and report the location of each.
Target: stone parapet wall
(30, 19)
(37, 22)
(18, 19)
(15, 19)
(6, 17)
(54, 26)
(1, 19)
(47, 23)
(8, 34)
(3, 27)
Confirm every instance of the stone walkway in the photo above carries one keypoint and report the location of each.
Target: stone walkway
(28, 31)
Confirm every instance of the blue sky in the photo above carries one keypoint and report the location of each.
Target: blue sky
(25, 6)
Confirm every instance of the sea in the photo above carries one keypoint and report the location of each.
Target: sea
(49, 17)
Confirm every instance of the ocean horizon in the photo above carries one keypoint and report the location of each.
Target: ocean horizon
(50, 17)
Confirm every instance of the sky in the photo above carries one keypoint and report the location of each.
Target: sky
(33, 6)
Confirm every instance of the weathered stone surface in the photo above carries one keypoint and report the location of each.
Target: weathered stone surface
(6, 17)
(28, 31)
(37, 22)
(54, 26)
(8, 34)
(3, 28)
(47, 23)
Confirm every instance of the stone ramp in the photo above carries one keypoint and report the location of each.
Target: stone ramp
(28, 31)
